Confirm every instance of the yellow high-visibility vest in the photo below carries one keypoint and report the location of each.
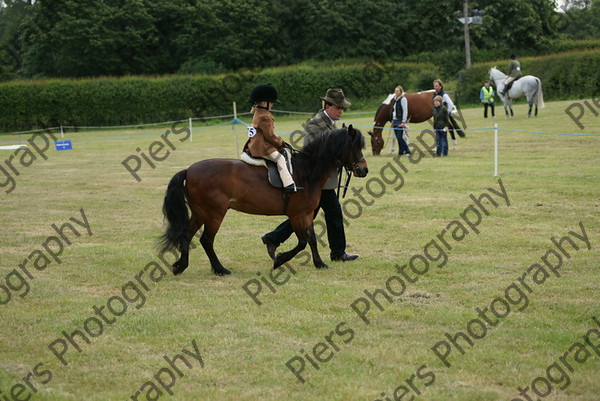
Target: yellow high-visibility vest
(488, 94)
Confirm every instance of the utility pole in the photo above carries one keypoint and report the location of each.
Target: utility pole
(466, 29)
(477, 18)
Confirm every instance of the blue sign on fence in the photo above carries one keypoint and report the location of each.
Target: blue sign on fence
(63, 145)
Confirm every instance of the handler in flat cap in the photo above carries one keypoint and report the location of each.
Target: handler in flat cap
(334, 104)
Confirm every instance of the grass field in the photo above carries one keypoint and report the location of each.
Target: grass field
(526, 319)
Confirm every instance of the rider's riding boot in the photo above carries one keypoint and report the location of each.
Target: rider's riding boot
(292, 188)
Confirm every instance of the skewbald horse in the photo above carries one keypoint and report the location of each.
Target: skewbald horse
(420, 107)
(211, 187)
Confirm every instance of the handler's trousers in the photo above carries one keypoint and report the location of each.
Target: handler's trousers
(334, 220)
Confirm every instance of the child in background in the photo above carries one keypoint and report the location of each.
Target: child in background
(440, 126)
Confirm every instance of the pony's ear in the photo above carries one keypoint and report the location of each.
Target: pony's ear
(351, 130)
(343, 125)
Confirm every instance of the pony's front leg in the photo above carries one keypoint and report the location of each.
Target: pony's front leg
(304, 236)
(312, 242)
(506, 112)
(284, 257)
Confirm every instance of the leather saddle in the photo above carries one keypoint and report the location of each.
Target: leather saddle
(272, 172)
(510, 85)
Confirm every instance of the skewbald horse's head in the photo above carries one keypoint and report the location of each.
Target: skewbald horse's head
(382, 116)
(376, 140)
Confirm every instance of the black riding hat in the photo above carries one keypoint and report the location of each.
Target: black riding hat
(263, 92)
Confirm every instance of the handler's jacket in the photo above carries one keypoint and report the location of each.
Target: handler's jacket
(316, 126)
(264, 140)
(514, 69)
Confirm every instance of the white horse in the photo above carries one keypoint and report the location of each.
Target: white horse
(528, 85)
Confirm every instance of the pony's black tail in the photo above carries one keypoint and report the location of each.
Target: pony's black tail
(176, 213)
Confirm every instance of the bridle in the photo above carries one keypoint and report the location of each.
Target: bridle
(356, 165)
(349, 170)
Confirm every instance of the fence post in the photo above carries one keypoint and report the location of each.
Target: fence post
(237, 146)
(495, 149)
(191, 132)
(62, 134)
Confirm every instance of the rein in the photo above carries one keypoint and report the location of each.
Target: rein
(293, 149)
(348, 176)
(349, 172)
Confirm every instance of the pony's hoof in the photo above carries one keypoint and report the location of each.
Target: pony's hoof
(278, 261)
(222, 272)
(322, 266)
(177, 269)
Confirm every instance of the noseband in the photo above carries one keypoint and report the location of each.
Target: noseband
(355, 166)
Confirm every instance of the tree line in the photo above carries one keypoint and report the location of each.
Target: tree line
(88, 38)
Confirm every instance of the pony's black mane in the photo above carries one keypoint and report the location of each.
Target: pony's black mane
(322, 154)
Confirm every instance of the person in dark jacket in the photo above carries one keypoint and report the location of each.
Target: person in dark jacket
(514, 73)
(334, 105)
(441, 122)
(438, 90)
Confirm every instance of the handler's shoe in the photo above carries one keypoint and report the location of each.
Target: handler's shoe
(271, 247)
(346, 257)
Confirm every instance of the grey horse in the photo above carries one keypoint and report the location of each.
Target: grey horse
(528, 85)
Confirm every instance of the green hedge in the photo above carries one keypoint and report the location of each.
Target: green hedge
(570, 45)
(134, 100)
(450, 62)
(563, 76)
